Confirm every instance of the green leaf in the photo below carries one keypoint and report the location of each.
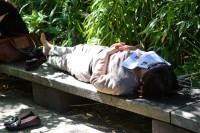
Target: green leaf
(170, 17)
(182, 27)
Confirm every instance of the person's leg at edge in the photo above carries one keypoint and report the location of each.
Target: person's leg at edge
(57, 57)
(46, 45)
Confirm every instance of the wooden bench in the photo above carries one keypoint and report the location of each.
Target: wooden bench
(58, 90)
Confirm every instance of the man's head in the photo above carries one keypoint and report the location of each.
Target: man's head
(159, 81)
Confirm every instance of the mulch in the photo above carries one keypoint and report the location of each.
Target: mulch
(14, 86)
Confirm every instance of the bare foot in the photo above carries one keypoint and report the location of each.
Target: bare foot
(46, 45)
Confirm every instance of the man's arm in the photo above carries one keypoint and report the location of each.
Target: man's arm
(104, 57)
(103, 81)
(113, 49)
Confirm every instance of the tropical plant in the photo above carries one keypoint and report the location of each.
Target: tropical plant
(169, 27)
(113, 21)
(61, 20)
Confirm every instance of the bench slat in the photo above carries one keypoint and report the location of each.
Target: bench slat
(188, 117)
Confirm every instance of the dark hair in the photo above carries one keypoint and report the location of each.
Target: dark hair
(159, 81)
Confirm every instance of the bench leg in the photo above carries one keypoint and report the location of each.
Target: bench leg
(162, 127)
(55, 99)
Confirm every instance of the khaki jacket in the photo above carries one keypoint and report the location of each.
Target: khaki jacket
(87, 64)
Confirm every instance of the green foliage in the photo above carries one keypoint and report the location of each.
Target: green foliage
(175, 28)
(114, 21)
(61, 20)
(169, 27)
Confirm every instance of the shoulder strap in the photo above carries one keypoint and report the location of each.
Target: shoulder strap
(25, 44)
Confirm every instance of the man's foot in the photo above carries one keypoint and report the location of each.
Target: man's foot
(46, 45)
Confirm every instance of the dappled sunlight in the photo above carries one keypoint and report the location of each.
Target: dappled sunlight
(189, 112)
(39, 130)
(1, 126)
(8, 110)
(64, 119)
(52, 122)
(82, 118)
(187, 115)
(72, 128)
(53, 76)
(11, 109)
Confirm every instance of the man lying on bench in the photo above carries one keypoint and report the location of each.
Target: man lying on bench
(117, 70)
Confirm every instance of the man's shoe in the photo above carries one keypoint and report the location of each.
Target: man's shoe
(24, 123)
(20, 116)
(34, 63)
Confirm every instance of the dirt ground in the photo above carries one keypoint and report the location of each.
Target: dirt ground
(102, 117)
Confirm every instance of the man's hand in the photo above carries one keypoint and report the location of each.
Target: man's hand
(119, 45)
(112, 50)
(123, 47)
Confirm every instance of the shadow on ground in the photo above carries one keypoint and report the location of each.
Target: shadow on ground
(16, 97)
